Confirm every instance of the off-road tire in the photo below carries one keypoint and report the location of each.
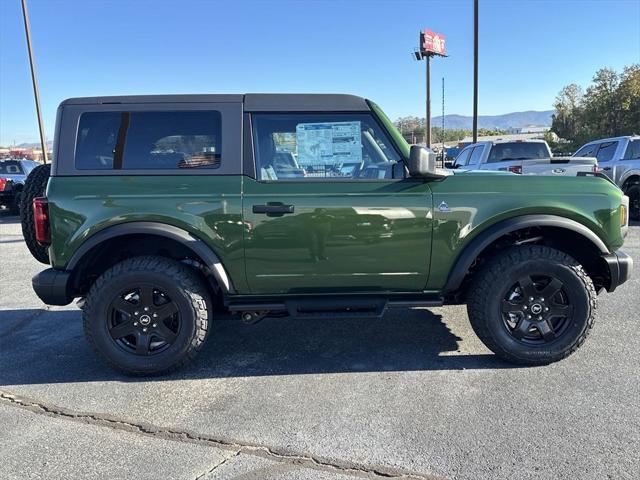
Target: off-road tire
(633, 192)
(34, 186)
(184, 286)
(492, 283)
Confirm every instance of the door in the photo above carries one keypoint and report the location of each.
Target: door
(330, 209)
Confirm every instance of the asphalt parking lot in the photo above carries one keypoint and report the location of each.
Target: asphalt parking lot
(412, 395)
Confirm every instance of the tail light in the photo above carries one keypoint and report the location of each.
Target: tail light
(516, 169)
(3, 183)
(41, 220)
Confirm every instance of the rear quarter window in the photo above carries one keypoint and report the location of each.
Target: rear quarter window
(11, 168)
(606, 151)
(505, 152)
(633, 150)
(161, 140)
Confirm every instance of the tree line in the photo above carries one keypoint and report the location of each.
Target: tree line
(609, 107)
(412, 129)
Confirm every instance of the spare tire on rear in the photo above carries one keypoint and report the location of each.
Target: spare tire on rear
(34, 186)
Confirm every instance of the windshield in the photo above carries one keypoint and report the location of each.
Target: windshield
(10, 167)
(503, 152)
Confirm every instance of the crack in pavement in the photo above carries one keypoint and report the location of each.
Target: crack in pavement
(273, 453)
(219, 464)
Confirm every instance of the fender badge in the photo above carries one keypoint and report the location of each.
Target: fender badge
(558, 170)
(443, 207)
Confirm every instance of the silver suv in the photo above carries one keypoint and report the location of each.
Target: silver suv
(619, 159)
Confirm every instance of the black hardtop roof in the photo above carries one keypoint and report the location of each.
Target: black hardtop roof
(253, 102)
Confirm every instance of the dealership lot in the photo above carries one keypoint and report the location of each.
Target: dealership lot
(412, 395)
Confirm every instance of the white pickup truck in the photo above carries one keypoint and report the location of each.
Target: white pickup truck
(527, 157)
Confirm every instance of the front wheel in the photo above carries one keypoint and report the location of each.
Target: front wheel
(633, 192)
(532, 305)
(147, 315)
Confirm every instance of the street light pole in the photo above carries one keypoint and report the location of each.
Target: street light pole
(427, 126)
(475, 71)
(27, 31)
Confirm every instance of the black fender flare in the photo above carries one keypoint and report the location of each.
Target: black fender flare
(193, 243)
(503, 227)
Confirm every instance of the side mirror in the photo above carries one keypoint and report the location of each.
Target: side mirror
(422, 162)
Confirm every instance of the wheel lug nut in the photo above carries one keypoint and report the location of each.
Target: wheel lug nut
(144, 329)
(528, 316)
(155, 315)
(531, 299)
(540, 317)
(525, 307)
(146, 309)
(155, 325)
(136, 313)
(135, 324)
(546, 309)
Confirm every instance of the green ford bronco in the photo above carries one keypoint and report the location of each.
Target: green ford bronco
(160, 209)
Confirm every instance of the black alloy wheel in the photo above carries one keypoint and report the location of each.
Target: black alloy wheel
(143, 320)
(536, 309)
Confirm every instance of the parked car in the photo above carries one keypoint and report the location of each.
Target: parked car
(149, 241)
(527, 157)
(619, 159)
(13, 173)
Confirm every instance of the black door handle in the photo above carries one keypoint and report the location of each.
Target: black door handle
(273, 209)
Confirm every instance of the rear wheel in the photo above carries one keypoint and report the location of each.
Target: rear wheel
(34, 186)
(633, 192)
(532, 305)
(147, 315)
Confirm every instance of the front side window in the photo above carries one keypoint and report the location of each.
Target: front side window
(606, 151)
(463, 157)
(148, 140)
(322, 146)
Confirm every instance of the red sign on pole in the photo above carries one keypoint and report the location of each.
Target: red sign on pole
(432, 43)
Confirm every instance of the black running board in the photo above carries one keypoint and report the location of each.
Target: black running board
(334, 307)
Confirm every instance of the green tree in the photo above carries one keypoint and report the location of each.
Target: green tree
(629, 99)
(567, 121)
(609, 107)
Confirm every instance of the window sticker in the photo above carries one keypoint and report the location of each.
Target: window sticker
(329, 143)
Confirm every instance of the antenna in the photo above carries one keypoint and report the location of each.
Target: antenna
(27, 31)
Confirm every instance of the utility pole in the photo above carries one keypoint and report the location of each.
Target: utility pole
(27, 31)
(475, 71)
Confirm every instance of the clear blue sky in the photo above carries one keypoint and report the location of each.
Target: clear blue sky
(529, 49)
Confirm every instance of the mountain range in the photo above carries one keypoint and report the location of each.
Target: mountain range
(461, 122)
(496, 122)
